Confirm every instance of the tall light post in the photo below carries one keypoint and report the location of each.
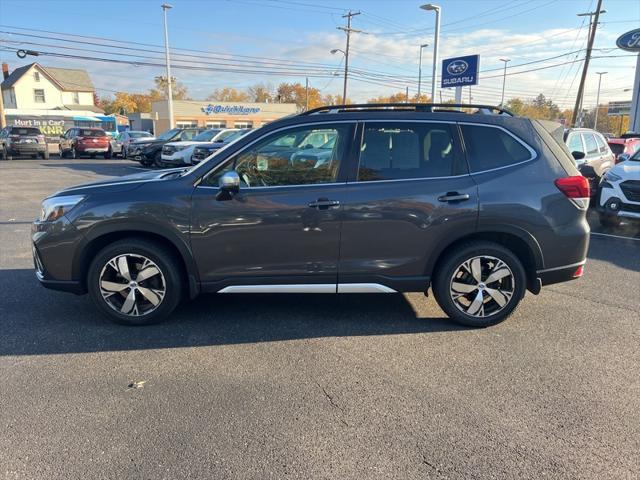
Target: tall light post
(165, 7)
(504, 78)
(346, 72)
(437, 9)
(424, 45)
(595, 122)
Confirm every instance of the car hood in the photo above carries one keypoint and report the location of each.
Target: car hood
(628, 170)
(118, 184)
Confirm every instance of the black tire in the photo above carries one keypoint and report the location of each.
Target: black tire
(73, 153)
(609, 221)
(123, 153)
(34, 156)
(45, 155)
(164, 260)
(6, 155)
(107, 155)
(92, 155)
(157, 159)
(449, 266)
(3, 153)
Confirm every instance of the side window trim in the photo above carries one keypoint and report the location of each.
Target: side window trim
(233, 156)
(531, 150)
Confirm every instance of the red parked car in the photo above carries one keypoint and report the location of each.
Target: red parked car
(85, 141)
(624, 146)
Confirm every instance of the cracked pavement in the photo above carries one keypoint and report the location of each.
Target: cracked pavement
(313, 386)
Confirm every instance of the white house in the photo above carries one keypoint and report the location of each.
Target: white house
(46, 88)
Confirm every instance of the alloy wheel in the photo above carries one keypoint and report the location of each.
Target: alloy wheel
(482, 286)
(132, 284)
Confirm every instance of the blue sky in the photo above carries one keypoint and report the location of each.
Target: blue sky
(297, 36)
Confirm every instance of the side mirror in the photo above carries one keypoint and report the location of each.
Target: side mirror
(577, 155)
(229, 185)
(623, 157)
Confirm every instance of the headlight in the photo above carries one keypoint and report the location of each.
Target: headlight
(55, 207)
(612, 177)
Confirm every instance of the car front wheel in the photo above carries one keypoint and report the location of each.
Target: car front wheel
(135, 282)
(479, 284)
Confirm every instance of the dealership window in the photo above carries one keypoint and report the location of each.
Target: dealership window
(36, 76)
(187, 124)
(243, 124)
(216, 124)
(38, 95)
(76, 97)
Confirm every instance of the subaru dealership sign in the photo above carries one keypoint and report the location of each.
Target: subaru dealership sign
(230, 109)
(460, 71)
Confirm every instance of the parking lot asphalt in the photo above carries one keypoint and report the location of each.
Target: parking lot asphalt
(313, 386)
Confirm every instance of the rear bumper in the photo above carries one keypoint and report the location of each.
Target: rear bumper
(26, 149)
(91, 149)
(564, 273)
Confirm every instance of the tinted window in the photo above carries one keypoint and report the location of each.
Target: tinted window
(575, 144)
(91, 133)
(394, 151)
(188, 135)
(590, 143)
(288, 158)
(25, 131)
(489, 147)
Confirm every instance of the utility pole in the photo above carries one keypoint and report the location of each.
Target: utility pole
(348, 30)
(3, 122)
(306, 91)
(165, 7)
(406, 95)
(504, 78)
(593, 25)
(595, 122)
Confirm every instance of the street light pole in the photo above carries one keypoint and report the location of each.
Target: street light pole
(595, 122)
(165, 7)
(434, 79)
(420, 69)
(504, 78)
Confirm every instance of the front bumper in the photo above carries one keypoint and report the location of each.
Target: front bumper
(178, 159)
(54, 246)
(612, 201)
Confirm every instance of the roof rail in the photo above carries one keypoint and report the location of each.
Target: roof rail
(417, 107)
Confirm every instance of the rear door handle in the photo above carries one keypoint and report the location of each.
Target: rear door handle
(454, 197)
(324, 204)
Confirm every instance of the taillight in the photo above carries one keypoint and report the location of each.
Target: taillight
(579, 272)
(576, 188)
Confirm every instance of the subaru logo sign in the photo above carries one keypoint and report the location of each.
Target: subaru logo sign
(629, 41)
(457, 67)
(460, 71)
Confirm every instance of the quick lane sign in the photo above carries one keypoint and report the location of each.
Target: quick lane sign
(460, 71)
(229, 109)
(618, 108)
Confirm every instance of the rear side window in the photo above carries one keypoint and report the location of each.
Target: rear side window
(399, 151)
(489, 147)
(602, 146)
(575, 144)
(590, 143)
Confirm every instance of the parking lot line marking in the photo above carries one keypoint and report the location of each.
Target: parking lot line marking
(616, 236)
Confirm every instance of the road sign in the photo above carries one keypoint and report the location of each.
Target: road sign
(619, 108)
(460, 71)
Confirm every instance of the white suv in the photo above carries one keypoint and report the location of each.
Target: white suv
(177, 154)
(619, 193)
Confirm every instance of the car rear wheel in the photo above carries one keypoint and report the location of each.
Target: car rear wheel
(107, 154)
(73, 153)
(45, 155)
(135, 282)
(479, 284)
(92, 155)
(34, 155)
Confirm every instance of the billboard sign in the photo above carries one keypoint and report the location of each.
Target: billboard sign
(460, 71)
(616, 109)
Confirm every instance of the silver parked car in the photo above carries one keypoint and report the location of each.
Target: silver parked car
(120, 143)
(591, 152)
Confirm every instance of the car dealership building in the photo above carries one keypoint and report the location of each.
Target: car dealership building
(189, 113)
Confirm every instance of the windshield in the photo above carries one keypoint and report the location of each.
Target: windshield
(636, 156)
(139, 134)
(235, 136)
(169, 134)
(25, 131)
(206, 136)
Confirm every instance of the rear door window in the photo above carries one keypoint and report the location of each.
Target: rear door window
(490, 147)
(399, 150)
(575, 143)
(602, 146)
(590, 144)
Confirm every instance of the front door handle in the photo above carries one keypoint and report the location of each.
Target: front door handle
(324, 204)
(453, 197)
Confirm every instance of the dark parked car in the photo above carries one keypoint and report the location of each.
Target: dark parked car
(480, 207)
(200, 152)
(149, 152)
(18, 141)
(85, 141)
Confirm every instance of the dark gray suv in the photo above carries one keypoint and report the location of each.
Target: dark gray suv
(478, 205)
